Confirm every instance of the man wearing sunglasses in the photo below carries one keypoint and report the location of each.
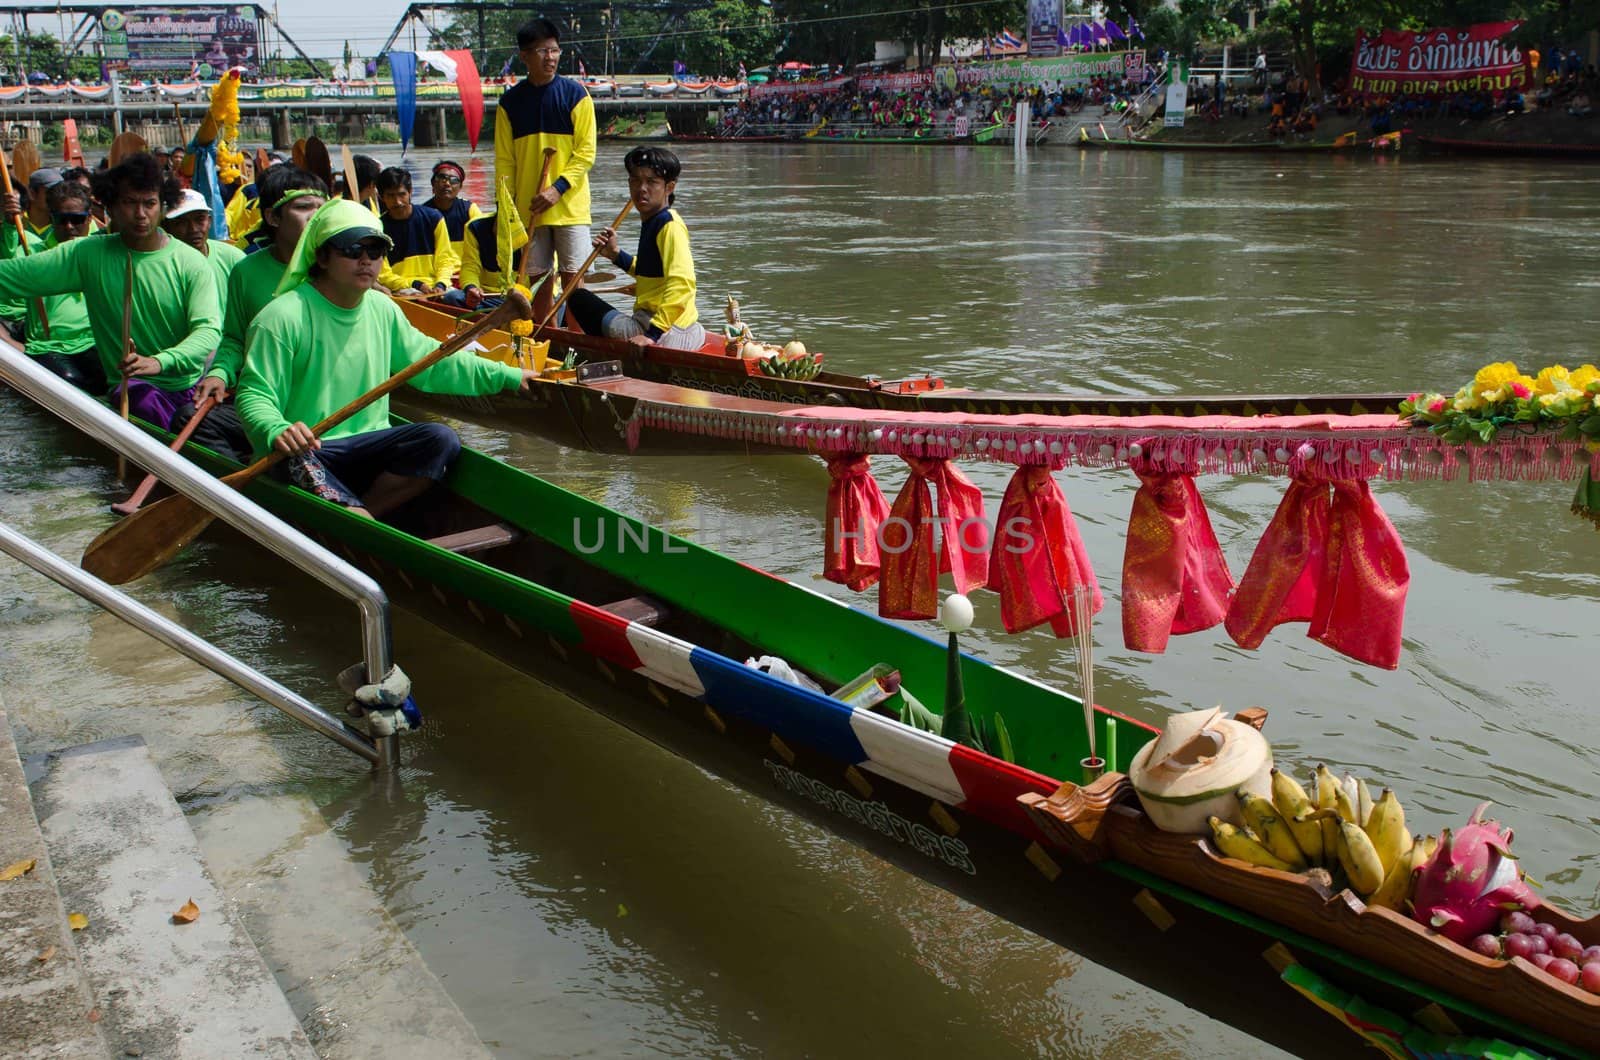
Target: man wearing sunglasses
(68, 349)
(325, 340)
(555, 112)
(457, 212)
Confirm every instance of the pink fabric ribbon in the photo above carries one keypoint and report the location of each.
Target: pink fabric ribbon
(856, 510)
(910, 586)
(1039, 556)
(1338, 565)
(1174, 576)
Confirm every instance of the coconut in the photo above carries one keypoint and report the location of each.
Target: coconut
(1194, 770)
(796, 348)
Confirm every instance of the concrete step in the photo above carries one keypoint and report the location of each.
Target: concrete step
(45, 1005)
(125, 857)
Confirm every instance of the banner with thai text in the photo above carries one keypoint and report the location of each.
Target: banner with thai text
(905, 80)
(1457, 59)
(797, 88)
(1075, 68)
(197, 41)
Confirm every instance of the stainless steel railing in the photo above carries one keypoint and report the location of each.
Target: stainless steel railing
(99, 422)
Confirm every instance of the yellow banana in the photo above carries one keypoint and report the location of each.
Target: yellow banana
(1262, 818)
(1395, 891)
(1328, 799)
(1292, 804)
(1363, 802)
(1235, 842)
(1359, 859)
(1387, 830)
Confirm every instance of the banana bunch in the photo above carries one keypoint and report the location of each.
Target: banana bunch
(1340, 826)
(780, 367)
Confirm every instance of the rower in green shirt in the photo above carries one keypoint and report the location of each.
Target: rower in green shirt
(67, 349)
(288, 196)
(326, 340)
(176, 312)
(188, 218)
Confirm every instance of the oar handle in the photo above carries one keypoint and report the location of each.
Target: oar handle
(131, 505)
(514, 307)
(22, 237)
(583, 270)
(349, 163)
(527, 254)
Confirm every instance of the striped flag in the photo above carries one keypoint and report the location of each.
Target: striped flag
(1007, 39)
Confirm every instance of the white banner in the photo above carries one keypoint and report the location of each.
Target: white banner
(1044, 27)
(1177, 103)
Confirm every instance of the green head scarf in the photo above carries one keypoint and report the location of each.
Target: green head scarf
(332, 218)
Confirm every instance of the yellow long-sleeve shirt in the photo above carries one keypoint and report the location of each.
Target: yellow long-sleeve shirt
(422, 250)
(664, 268)
(528, 119)
(480, 257)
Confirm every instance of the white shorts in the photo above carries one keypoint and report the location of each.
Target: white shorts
(571, 245)
(620, 325)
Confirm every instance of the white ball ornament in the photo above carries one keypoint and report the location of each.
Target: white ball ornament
(956, 613)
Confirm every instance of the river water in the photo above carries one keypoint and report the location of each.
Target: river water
(581, 892)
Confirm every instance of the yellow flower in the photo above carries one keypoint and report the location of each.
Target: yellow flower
(1551, 380)
(1582, 377)
(1495, 376)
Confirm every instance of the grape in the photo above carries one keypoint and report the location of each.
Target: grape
(1567, 948)
(1540, 944)
(1563, 970)
(1518, 922)
(1520, 945)
(1590, 955)
(1589, 978)
(1488, 945)
(1548, 932)
(1541, 961)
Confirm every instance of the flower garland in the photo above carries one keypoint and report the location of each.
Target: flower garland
(1501, 397)
(225, 112)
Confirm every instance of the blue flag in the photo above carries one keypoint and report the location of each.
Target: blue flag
(403, 66)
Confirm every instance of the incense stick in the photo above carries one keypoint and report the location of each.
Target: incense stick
(1083, 612)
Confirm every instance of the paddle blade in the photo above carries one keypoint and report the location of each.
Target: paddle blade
(317, 161)
(145, 540)
(297, 154)
(126, 144)
(351, 188)
(24, 160)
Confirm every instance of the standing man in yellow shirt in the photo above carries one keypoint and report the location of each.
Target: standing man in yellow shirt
(555, 112)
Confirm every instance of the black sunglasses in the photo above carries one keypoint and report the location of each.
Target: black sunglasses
(69, 218)
(357, 251)
(449, 178)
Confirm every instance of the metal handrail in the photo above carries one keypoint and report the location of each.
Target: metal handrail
(97, 420)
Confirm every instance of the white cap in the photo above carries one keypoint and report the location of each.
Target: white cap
(189, 202)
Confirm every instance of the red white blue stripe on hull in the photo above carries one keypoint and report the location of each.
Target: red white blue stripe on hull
(932, 765)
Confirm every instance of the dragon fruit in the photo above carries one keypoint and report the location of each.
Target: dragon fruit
(1471, 881)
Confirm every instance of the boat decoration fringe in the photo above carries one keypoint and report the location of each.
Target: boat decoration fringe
(1329, 558)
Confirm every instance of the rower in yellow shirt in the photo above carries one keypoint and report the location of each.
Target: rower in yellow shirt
(420, 258)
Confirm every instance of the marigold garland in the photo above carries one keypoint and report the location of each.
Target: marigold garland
(225, 112)
(1501, 396)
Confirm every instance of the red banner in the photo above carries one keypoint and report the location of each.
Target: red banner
(471, 89)
(1457, 59)
(797, 88)
(897, 82)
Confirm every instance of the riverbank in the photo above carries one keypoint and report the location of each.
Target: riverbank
(1534, 127)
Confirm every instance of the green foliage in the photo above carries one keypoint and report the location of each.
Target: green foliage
(379, 134)
(719, 38)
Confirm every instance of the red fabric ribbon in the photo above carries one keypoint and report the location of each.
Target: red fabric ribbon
(1361, 604)
(910, 586)
(856, 510)
(1174, 577)
(1038, 556)
(1338, 565)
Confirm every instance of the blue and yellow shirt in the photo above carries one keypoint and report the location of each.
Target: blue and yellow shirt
(422, 250)
(664, 268)
(456, 219)
(528, 119)
(480, 257)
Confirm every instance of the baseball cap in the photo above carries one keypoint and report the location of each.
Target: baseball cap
(44, 178)
(351, 236)
(189, 202)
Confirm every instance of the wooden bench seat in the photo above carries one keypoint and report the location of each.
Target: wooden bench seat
(640, 609)
(482, 539)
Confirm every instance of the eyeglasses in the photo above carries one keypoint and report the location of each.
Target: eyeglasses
(69, 218)
(551, 53)
(448, 178)
(357, 251)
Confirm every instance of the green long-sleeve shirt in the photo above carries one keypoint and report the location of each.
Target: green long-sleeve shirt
(177, 314)
(66, 314)
(251, 285)
(306, 358)
(224, 258)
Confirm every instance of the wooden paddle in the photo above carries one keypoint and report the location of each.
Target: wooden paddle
(350, 188)
(126, 144)
(582, 270)
(527, 255)
(318, 164)
(71, 152)
(22, 237)
(131, 505)
(262, 162)
(24, 160)
(151, 536)
(127, 348)
(297, 154)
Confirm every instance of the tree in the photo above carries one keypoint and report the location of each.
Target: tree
(727, 32)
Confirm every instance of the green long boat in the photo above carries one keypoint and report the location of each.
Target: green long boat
(651, 630)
